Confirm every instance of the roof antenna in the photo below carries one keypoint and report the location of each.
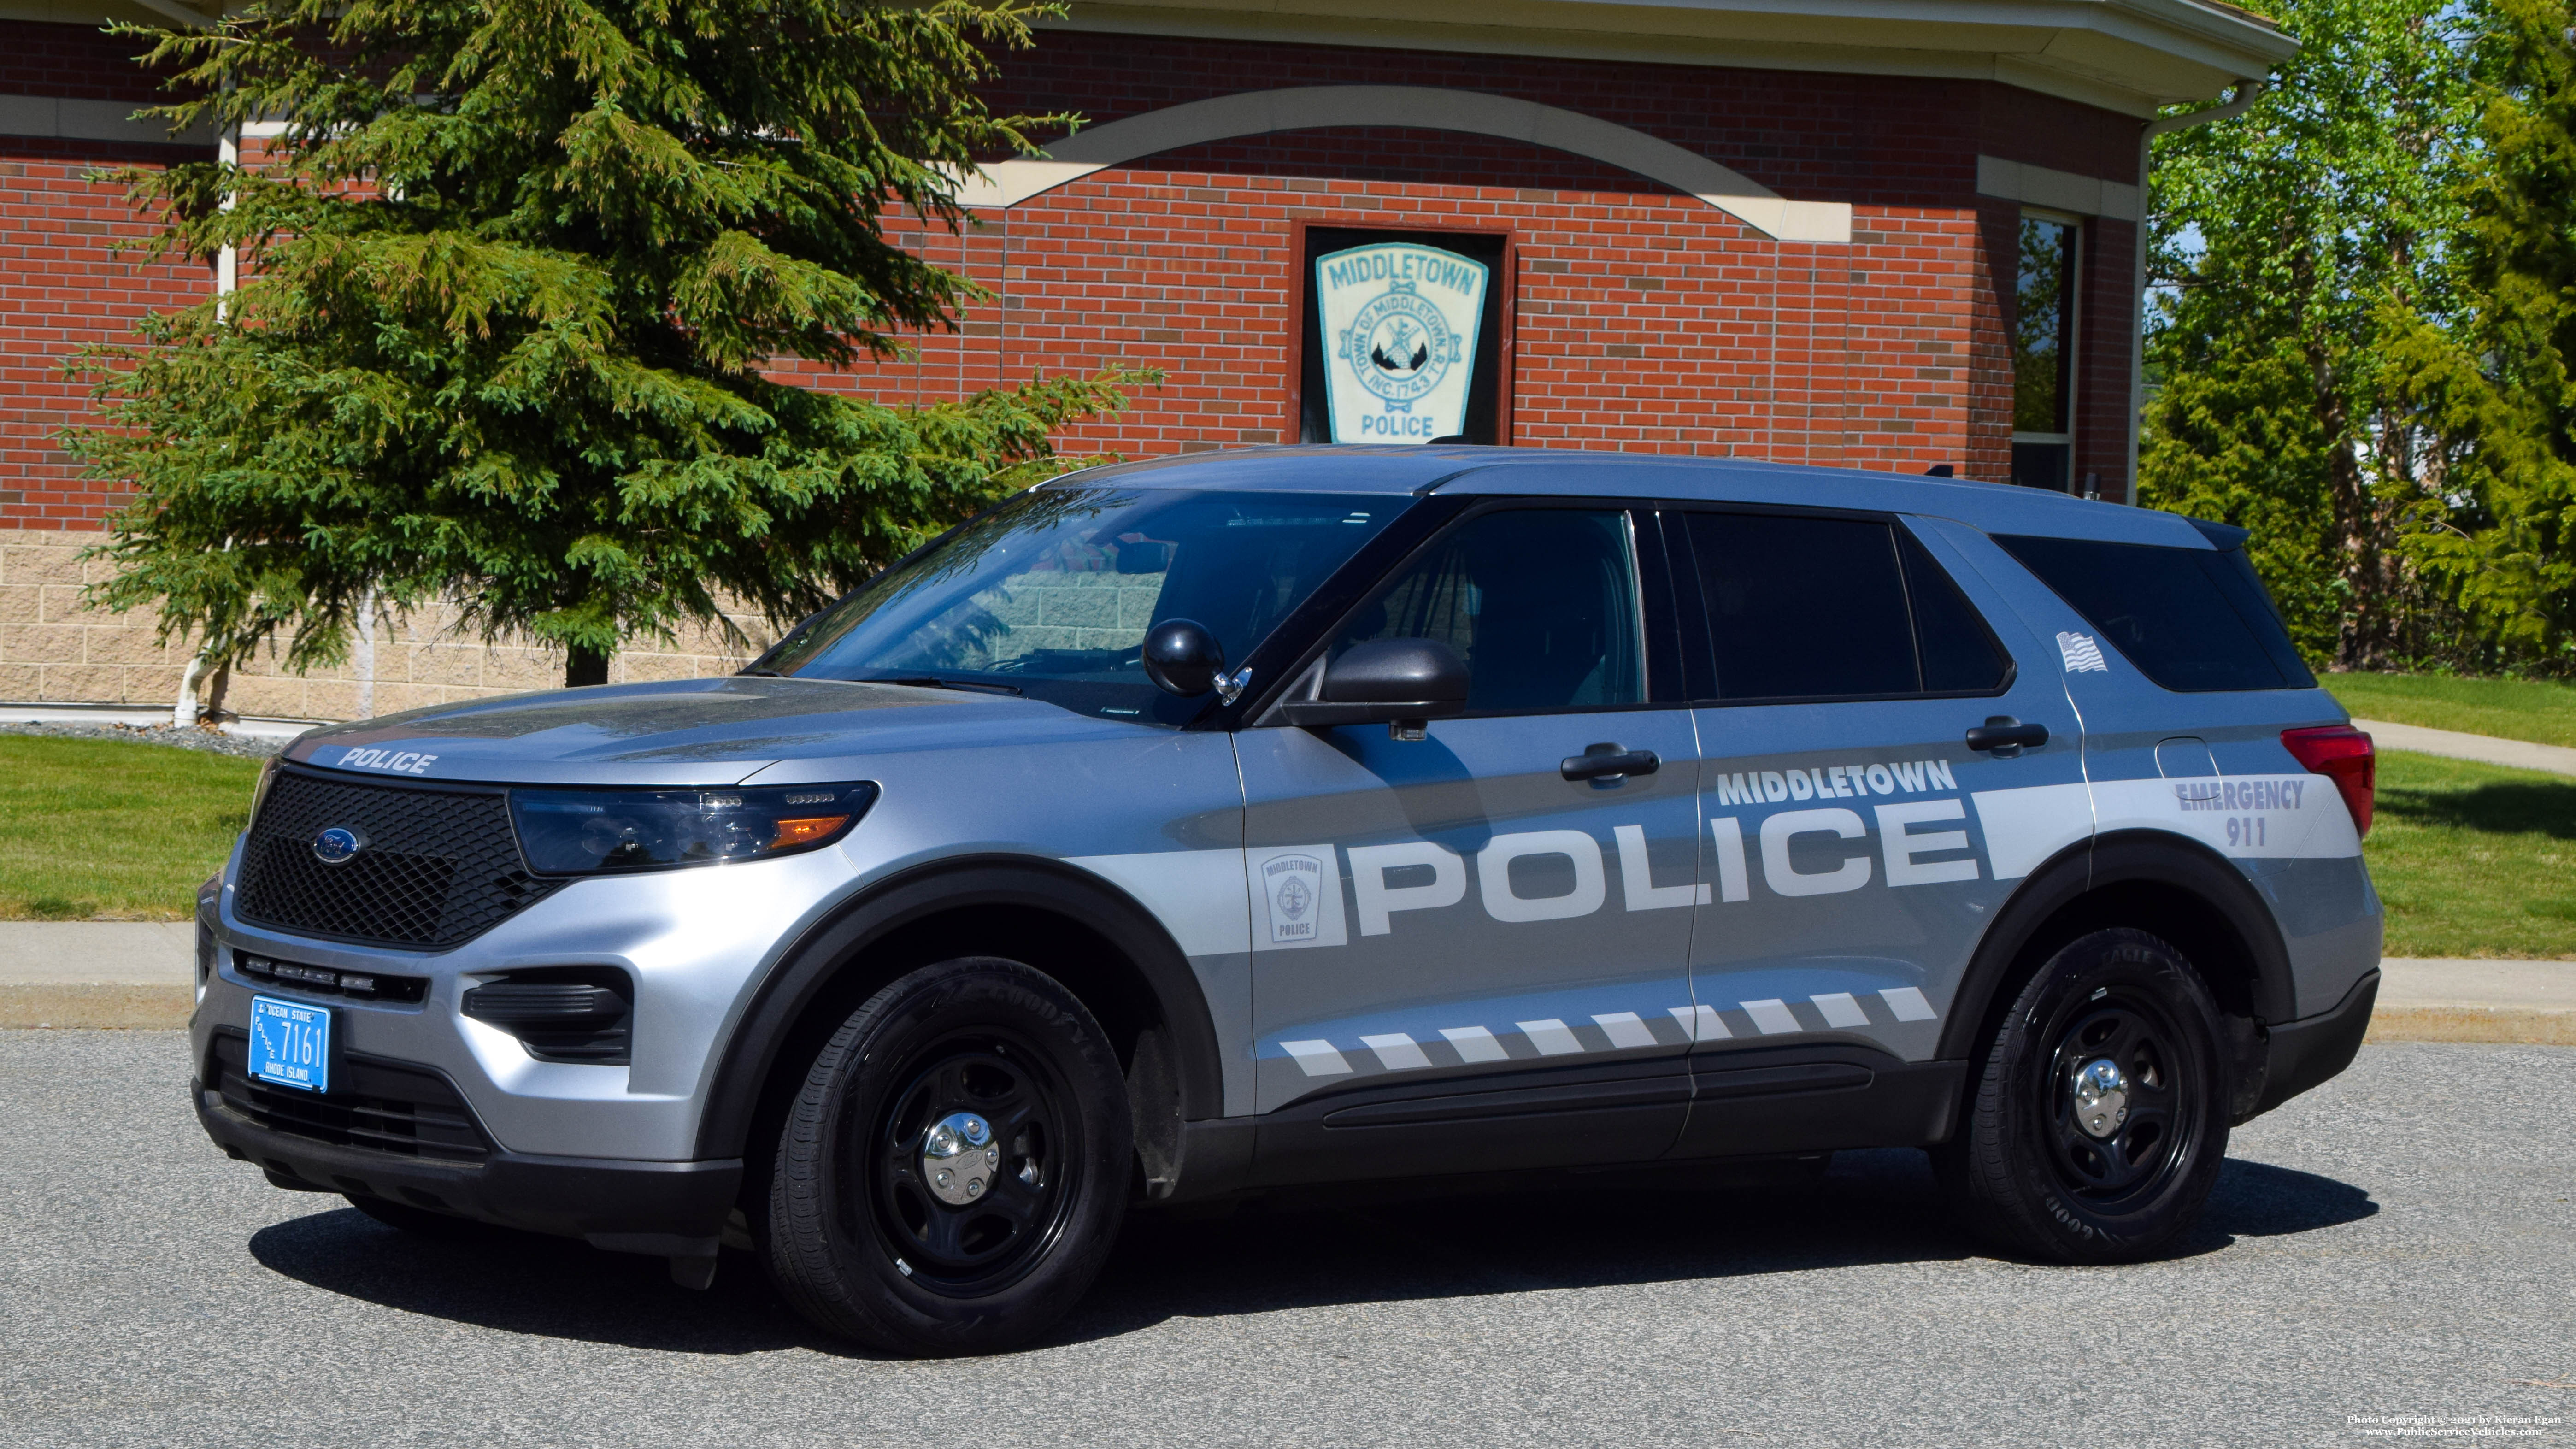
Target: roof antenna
(1940, 470)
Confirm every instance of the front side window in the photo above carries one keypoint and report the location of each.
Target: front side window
(2044, 354)
(1051, 594)
(1804, 607)
(1540, 602)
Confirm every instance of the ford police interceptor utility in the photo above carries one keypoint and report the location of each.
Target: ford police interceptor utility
(1184, 830)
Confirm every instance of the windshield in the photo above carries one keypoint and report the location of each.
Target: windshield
(1050, 594)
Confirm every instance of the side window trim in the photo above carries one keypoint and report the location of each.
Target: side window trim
(1700, 643)
(1907, 532)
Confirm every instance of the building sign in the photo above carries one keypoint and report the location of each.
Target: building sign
(1399, 323)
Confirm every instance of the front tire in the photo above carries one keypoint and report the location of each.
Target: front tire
(2099, 1120)
(954, 1172)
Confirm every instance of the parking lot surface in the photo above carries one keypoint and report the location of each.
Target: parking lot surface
(2394, 1249)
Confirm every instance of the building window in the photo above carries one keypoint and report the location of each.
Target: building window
(2044, 353)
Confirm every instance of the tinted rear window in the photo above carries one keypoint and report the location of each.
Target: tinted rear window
(2191, 619)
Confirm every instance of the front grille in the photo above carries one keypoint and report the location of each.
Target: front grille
(378, 1106)
(439, 868)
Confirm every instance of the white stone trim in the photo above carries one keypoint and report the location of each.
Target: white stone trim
(1301, 108)
(2064, 190)
(79, 120)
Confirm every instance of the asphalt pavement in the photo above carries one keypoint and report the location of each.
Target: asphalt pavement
(2392, 1251)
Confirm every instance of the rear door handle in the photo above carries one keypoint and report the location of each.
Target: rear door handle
(2006, 736)
(1608, 762)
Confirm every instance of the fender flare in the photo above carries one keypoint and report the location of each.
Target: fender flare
(809, 967)
(2125, 856)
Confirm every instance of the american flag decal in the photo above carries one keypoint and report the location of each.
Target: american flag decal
(2082, 654)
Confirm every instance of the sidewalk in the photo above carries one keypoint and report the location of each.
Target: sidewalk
(2487, 749)
(139, 974)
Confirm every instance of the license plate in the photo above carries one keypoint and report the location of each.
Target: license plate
(290, 1044)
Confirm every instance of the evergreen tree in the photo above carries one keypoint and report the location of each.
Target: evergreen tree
(2291, 244)
(2509, 538)
(516, 279)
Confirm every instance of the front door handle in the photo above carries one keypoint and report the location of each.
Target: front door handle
(2006, 736)
(1608, 762)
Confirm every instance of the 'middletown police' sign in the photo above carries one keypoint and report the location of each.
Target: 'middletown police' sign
(1399, 323)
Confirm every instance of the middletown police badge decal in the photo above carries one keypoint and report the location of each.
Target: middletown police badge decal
(1400, 323)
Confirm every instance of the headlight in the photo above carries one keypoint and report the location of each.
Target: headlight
(588, 832)
(259, 792)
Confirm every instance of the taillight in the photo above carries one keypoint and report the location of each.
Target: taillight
(2344, 755)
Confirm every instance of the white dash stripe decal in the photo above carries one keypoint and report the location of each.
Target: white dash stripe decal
(1474, 1044)
(1551, 1037)
(1397, 1052)
(1626, 1032)
(1701, 1023)
(1908, 1004)
(1840, 1010)
(1317, 1058)
(1773, 1017)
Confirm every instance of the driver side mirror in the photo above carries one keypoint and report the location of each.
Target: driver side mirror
(1182, 657)
(1401, 682)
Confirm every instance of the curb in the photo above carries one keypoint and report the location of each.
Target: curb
(2503, 1025)
(90, 1005)
(87, 1006)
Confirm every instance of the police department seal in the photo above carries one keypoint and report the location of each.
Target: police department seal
(1399, 346)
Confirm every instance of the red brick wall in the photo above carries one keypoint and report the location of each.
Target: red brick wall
(62, 289)
(1644, 319)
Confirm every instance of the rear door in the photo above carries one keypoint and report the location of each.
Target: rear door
(1856, 845)
(1462, 957)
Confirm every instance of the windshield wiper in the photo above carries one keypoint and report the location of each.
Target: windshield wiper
(761, 673)
(933, 681)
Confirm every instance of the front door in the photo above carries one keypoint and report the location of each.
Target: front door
(1857, 846)
(1479, 915)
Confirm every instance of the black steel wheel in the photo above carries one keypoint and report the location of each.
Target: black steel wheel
(954, 1171)
(975, 1218)
(2098, 1119)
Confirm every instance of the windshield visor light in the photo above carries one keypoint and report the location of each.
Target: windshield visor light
(590, 832)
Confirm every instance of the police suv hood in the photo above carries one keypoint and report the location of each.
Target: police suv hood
(685, 732)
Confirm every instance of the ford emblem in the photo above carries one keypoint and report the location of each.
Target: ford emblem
(338, 845)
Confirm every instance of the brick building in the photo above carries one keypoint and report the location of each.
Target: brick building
(1894, 234)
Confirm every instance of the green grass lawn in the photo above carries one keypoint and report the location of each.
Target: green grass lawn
(2513, 709)
(105, 828)
(2474, 860)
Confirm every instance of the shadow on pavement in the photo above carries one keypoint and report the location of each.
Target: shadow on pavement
(525, 1283)
(1609, 1229)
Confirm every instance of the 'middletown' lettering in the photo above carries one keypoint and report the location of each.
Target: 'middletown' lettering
(1912, 777)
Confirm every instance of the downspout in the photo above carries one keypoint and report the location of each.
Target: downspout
(189, 708)
(2239, 100)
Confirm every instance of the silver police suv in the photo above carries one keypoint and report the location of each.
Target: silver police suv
(1187, 830)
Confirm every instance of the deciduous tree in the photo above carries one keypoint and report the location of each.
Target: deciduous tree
(2289, 246)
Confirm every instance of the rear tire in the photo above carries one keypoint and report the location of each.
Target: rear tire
(2098, 1120)
(955, 1170)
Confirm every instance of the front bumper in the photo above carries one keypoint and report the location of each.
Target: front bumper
(672, 1209)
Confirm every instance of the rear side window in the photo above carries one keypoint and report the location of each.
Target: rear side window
(2193, 620)
(1809, 608)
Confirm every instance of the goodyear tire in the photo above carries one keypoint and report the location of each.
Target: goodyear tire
(955, 1170)
(2098, 1119)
